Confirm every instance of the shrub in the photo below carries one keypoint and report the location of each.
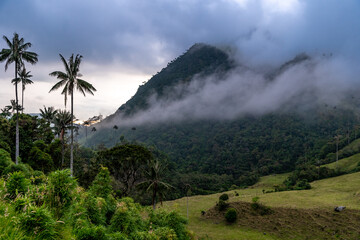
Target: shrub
(26, 169)
(38, 178)
(40, 160)
(224, 197)
(37, 221)
(260, 208)
(5, 160)
(222, 205)
(21, 203)
(5, 146)
(60, 193)
(117, 236)
(95, 209)
(16, 184)
(231, 215)
(101, 186)
(302, 184)
(164, 233)
(171, 220)
(91, 233)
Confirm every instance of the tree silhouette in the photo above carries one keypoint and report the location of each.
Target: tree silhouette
(16, 53)
(70, 81)
(24, 79)
(153, 182)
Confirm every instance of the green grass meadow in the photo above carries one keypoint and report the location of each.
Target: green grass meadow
(325, 194)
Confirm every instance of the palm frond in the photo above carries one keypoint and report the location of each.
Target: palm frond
(58, 85)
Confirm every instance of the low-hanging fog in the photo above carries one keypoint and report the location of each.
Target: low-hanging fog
(324, 80)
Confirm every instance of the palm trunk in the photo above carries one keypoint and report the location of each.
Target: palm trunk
(22, 98)
(72, 134)
(17, 119)
(62, 147)
(154, 198)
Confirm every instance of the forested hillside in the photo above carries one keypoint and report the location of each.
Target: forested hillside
(230, 151)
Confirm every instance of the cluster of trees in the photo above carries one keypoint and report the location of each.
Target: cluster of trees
(240, 151)
(17, 53)
(54, 206)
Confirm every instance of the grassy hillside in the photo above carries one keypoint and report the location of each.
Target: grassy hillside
(312, 207)
(346, 164)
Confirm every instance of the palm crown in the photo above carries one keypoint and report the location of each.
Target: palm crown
(70, 79)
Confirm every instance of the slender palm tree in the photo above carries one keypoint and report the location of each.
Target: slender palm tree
(153, 182)
(48, 114)
(16, 53)
(24, 78)
(70, 81)
(62, 121)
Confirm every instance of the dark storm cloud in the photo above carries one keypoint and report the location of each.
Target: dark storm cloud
(142, 36)
(147, 34)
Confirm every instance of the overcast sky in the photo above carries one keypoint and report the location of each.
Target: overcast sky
(125, 42)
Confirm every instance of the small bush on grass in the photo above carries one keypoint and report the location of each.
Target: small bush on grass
(224, 197)
(260, 208)
(222, 205)
(38, 222)
(231, 215)
(302, 185)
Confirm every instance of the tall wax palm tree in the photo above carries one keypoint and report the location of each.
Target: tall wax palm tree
(24, 78)
(70, 81)
(48, 114)
(153, 182)
(62, 120)
(16, 53)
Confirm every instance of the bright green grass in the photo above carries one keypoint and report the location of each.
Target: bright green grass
(346, 164)
(268, 182)
(327, 193)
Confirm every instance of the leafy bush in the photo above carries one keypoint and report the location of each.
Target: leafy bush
(171, 220)
(127, 217)
(231, 215)
(95, 209)
(101, 186)
(302, 184)
(38, 178)
(5, 160)
(117, 236)
(26, 169)
(60, 193)
(21, 203)
(37, 221)
(16, 184)
(224, 197)
(91, 233)
(165, 233)
(5, 146)
(40, 160)
(260, 208)
(222, 205)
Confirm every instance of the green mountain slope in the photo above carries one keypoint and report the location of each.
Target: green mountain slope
(240, 149)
